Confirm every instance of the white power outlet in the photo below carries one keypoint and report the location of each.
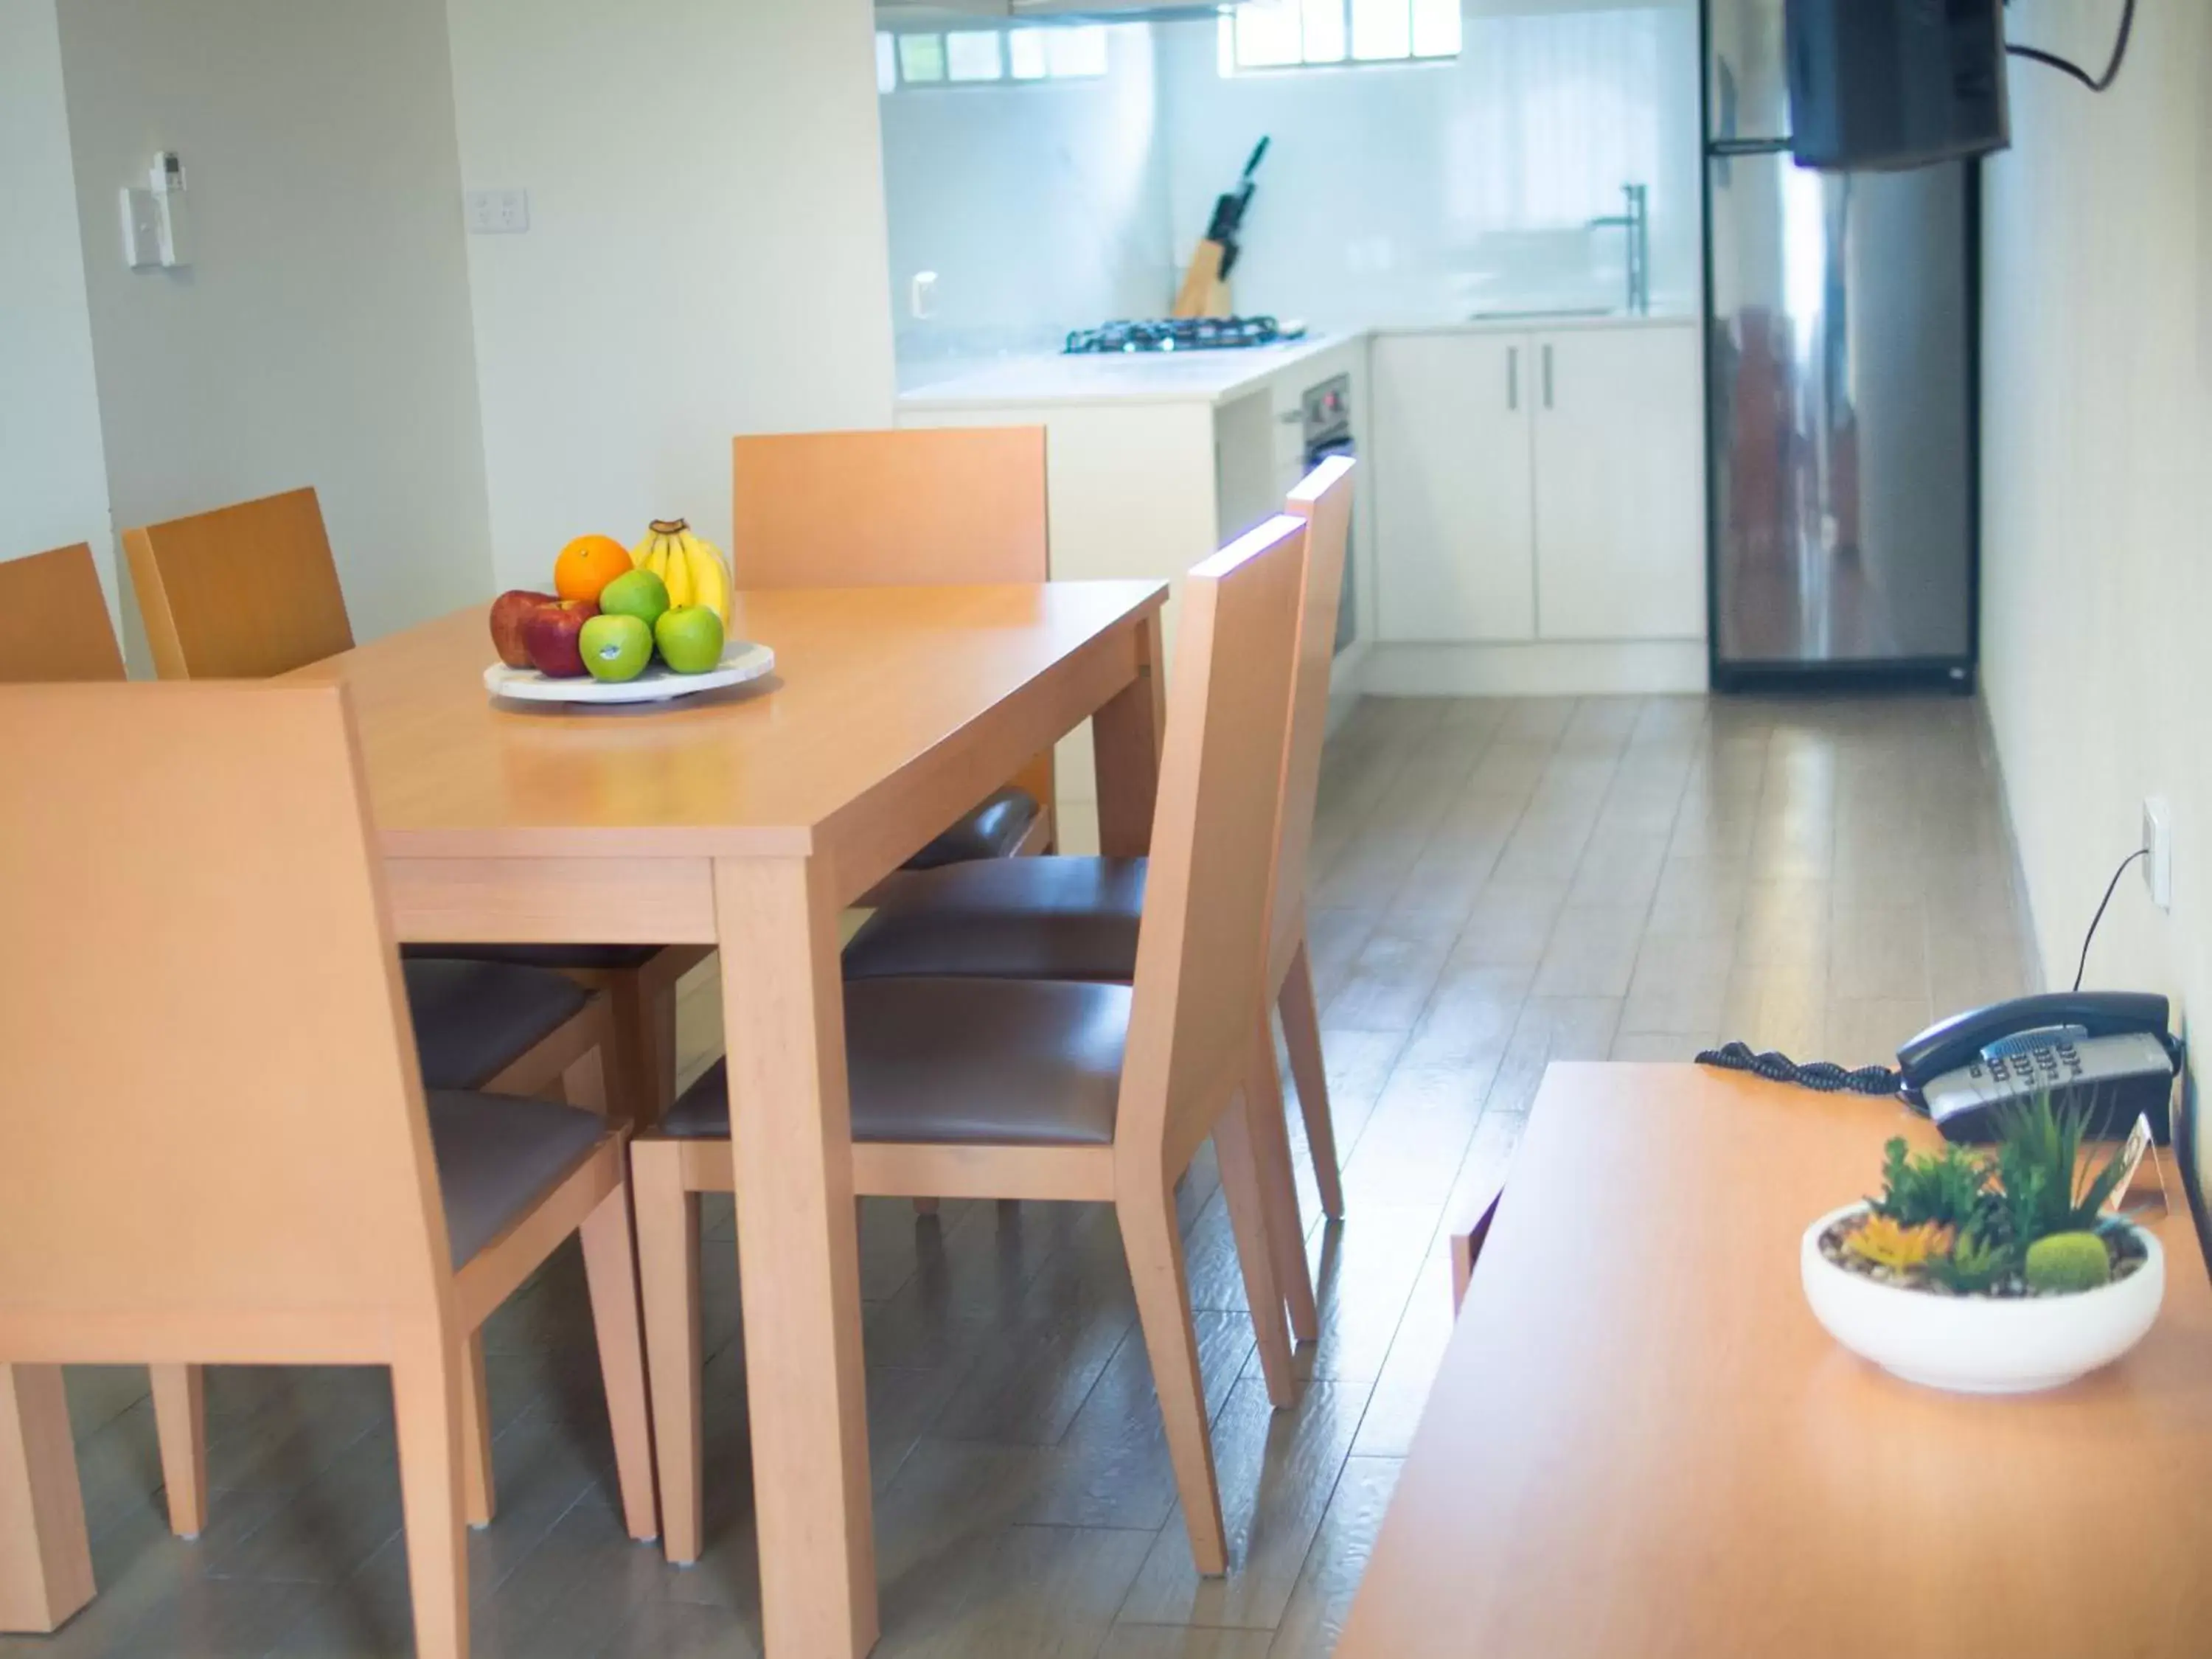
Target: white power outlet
(498, 212)
(2158, 849)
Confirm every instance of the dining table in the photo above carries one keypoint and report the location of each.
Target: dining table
(746, 819)
(1641, 1444)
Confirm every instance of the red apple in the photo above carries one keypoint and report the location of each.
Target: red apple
(549, 635)
(508, 611)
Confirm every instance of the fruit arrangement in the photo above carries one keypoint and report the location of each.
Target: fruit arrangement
(614, 610)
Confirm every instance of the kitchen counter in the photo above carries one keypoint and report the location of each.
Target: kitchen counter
(1203, 377)
(1045, 379)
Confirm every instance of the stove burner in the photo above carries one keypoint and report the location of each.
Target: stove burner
(1181, 334)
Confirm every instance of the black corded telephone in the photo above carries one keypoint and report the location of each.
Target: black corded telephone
(2109, 1051)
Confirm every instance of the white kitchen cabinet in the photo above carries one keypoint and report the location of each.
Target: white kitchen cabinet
(1453, 491)
(1620, 485)
(1540, 488)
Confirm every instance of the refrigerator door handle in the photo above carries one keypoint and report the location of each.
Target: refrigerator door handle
(1548, 374)
(1513, 377)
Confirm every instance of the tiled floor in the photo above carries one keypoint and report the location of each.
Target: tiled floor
(1498, 884)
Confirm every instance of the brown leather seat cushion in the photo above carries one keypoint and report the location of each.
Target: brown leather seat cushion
(604, 958)
(496, 1156)
(472, 1020)
(1028, 1062)
(1042, 918)
(992, 830)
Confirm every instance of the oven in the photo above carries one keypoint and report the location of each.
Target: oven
(1328, 417)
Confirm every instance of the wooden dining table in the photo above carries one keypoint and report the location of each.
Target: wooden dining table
(744, 819)
(1642, 1443)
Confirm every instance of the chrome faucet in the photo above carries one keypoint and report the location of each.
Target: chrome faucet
(1636, 222)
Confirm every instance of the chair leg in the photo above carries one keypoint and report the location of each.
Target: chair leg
(610, 1269)
(1247, 1217)
(180, 1426)
(1155, 1270)
(644, 1083)
(584, 1083)
(1302, 1035)
(480, 1492)
(427, 1385)
(1278, 1186)
(45, 1555)
(668, 1271)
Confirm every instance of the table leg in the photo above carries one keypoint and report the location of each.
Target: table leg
(45, 1557)
(1126, 748)
(799, 1256)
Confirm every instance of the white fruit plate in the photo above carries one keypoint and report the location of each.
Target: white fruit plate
(742, 660)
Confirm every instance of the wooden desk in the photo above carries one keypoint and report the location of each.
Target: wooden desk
(746, 820)
(1642, 1443)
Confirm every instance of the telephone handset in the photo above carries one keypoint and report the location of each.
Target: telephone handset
(2106, 1051)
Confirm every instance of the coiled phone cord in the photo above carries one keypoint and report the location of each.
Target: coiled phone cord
(1824, 1075)
(1830, 1079)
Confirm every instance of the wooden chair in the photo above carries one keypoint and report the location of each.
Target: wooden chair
(245, 1169)
(249, 592)
(939, 507)
(53, 619)
(1073, 918)
(252, 591)
(1033, 1089)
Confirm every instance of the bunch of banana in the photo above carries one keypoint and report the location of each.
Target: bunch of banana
(690, 565)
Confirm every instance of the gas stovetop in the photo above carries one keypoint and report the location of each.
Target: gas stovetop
(1183, 334)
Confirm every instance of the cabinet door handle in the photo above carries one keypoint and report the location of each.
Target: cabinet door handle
(1513, 377)
(1547, 377)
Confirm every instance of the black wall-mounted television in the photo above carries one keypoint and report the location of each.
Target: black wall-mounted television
(1880, 85)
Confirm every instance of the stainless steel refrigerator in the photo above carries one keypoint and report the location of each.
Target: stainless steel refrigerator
(1841, 362)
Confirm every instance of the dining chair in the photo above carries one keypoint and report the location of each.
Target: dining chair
(53, 619)
(248, 1169)
(925, 506)
(1077, 918)
(1055, 1090)
(251, 591)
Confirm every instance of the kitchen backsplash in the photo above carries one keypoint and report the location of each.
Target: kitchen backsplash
(1412, 192)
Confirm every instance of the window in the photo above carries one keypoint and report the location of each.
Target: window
(977, 57)
(1268, 34)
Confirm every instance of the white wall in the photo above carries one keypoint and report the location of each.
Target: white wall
(53, 477)
(1041, 205)
(706, 254)
(2097, 568)
(1420, 192)
(321, 336)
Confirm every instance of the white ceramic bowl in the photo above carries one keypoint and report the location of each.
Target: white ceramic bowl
(1981, 1344)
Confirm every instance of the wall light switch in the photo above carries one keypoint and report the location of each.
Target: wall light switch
(498, 212)
(142, 229)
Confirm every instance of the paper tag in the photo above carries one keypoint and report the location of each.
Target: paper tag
(2131, 1158)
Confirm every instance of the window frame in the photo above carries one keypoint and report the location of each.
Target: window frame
(1229, 49)
(894, 57)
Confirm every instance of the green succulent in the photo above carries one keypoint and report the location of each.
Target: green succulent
(2068, 1262)
(2038, 1163)
(1976, 1262)
(1946, 1187)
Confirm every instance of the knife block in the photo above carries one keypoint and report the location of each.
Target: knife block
(1203, 293)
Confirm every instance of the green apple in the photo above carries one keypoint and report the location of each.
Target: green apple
(690, 638)
(616, 647)
(638, 594)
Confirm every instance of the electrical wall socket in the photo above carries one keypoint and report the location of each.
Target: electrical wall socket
(2158, 849)
(497, 212)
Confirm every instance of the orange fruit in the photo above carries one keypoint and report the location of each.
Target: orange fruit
(588, 564)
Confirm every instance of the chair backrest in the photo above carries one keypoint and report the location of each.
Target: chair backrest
(1202, 948)
(217, 1117)
(241, 593)
(53, 619)
(927, 507)
(1323, 500)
